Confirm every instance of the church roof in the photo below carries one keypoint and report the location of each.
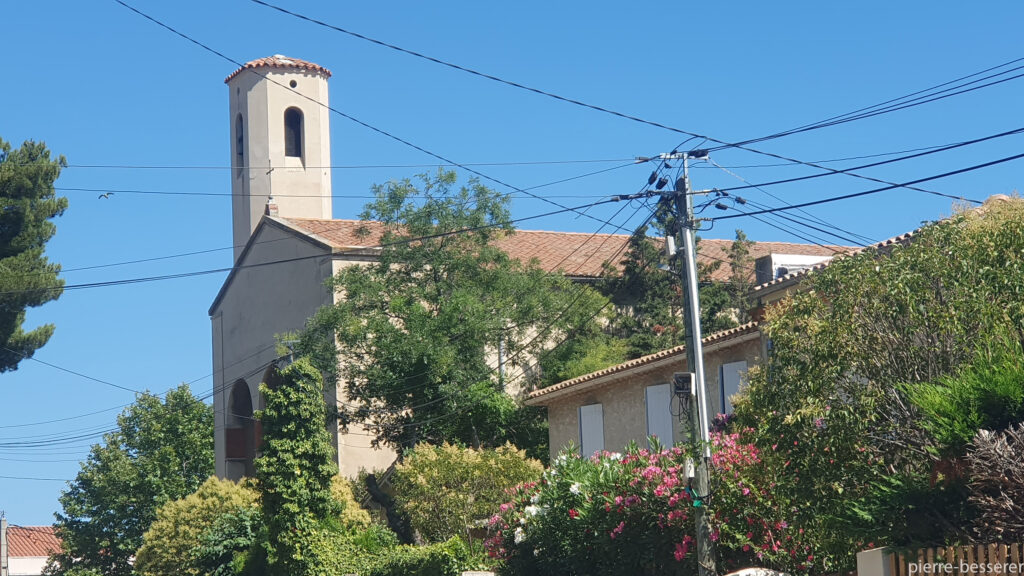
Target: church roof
(31, 541)
(280, 61)
(578, 254)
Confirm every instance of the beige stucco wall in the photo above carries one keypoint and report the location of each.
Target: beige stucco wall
(260, 303)
(622, 397)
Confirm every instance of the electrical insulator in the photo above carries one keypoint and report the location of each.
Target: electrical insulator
(662, 182)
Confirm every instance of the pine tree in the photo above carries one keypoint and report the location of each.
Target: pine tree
(28, 203)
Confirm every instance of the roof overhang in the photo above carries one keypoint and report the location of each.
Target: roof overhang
(636, 367)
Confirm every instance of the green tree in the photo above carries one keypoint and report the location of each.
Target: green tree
(741, 276)
(419, 330)
(161, 451)
(448, 491)
(171, 544)
(649, 300)
(28, 203)
(831, 401)
(295, 472)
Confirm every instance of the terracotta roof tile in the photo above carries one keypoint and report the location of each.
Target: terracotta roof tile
(748, 328)
(579, 254)
(29, 541)
(279, 61)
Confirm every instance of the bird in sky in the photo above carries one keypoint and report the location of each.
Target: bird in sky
(107, 195)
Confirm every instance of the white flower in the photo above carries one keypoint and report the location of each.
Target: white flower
(531, 510)
(535, 498)
(520, 535)
(614, 456)
(575, 488)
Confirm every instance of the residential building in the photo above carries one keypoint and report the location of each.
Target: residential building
(24, 550)
(632, 401)
(608, 409)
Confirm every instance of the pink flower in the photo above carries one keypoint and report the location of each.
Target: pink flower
(682, 548)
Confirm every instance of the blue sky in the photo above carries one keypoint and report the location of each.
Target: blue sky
(104, 87)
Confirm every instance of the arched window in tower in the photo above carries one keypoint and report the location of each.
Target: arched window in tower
(293, 132)
(239, 147)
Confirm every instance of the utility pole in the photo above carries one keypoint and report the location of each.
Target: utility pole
(687, 241)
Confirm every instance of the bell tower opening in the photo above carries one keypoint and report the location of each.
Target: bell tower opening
(293, 132)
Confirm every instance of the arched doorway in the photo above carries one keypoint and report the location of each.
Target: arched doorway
(240, 433)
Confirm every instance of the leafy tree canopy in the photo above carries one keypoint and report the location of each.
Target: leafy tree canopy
(170, 545)
(161, 451)
(419, 330)
(649, 300)
(28, 203)
(831, 401)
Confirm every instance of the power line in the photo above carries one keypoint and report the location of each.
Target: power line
(890, 161)
(740, 145)
(343, 114)
(812, 216)
(523, 191)
(224, 386)
(557, 266)
(340, 167)
(122, 406)
(34, 478)
(210, 250)
(357, 251)
(901, 102)
(875, 190)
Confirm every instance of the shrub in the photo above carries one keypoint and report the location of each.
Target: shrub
(443, 559)
(996, 467)
(353, 515)
(750, 519)
(446, 490)
(225, 547)
(169, 546)
(986, 395)
(609, 514)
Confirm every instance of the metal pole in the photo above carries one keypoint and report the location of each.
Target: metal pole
(4, 565)
(695, 363)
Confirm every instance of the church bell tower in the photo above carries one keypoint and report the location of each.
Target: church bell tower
(280, 142)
